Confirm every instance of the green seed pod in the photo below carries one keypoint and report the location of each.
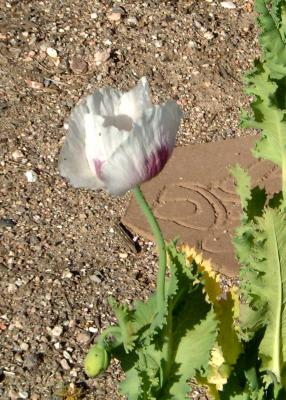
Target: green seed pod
(96, 361)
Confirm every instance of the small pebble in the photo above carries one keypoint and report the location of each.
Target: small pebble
(12, 288)
(73, 373)
(13, 395)
(132, 20)
(82, 337)
(67, 274)
(78, 65)
(123, 255)
(34, 84)
(57, 331)
(31, 176)
(23, 395)
(17, 155)
(114, 17)
(208, 35)
(64, 364)
(6, 223)
(101, 56)
(92, 329)
(52, 52)
(24, 346)
(32, 361)
(3, 327)
(228, 4)
(95, 278)
(67, 356)
(192, 44)
(18, 358)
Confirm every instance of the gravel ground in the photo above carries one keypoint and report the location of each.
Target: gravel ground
(61, 254)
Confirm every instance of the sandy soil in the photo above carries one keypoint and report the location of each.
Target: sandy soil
(60, 253)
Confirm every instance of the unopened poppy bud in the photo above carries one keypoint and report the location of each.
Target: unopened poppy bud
(96, 361)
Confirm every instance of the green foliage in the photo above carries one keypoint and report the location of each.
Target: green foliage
(252, 200)
(264, 284)
(232, 342)
(261, 239)
(126, 332)
(271, 19)
(267, 83)
(160, 350)
(227, 347)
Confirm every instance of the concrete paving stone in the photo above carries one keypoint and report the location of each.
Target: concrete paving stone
(194, 197)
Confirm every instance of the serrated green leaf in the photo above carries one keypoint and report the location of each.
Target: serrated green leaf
(131, 386)
(268, 116)
(267, 82)
(144, 313)
(227, 338)
(190, 332)
(245, 380)
(276, 200)
(226, 305)
(194, 340)
(125, 319)
(252, 200)
(243, 184)
(272, 37)
(264, 282)
(166, 356)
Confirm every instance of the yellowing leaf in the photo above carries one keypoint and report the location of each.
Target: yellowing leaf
(226, 307)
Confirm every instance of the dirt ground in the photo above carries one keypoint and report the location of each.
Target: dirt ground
(61, 255)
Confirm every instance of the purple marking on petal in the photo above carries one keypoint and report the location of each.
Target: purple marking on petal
(98, 165)
(155, 163)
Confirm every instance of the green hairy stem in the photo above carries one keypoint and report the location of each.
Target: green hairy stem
(159, 239)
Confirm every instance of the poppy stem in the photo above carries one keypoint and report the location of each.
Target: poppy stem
(160, 245)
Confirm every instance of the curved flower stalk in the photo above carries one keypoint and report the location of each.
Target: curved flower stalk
(118, 140)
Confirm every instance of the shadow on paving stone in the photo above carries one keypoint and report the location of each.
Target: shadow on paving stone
(194, 197)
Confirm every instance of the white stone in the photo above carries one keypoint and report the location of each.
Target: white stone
(23, 395)
(52, 52)
(132, 20)
(24, 346)
(123, 255)
(67, 274)
(64, 364)
(92, 329)
(31, 176)
(12, 288)
(101, 56)
(17, 154)
(228, 4)
(57, 331)
(208, 35)
(115, 16)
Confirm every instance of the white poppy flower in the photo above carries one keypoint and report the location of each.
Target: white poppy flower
(117, 141)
